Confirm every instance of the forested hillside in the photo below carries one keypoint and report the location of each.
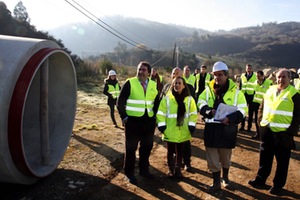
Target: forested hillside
(271, 44)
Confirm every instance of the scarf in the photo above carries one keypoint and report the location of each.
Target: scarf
(181, 107)
(219, 91)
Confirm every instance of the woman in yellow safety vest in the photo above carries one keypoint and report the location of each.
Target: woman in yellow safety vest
(176, 120)
(112, 91)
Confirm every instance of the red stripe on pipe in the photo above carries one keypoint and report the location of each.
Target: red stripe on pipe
(17, 103)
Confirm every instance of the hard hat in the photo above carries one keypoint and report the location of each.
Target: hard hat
(112, 73)
(298, 72)
(219, 66)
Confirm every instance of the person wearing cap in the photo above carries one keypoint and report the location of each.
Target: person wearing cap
(220, 134)
(137, 105)
(279, 124)
(112, 91)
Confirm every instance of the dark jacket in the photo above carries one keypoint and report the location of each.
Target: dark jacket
(110, 99)
(121, 103)
(217, 135)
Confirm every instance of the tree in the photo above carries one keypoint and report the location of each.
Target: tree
(20, 13)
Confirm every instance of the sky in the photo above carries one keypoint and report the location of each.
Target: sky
(211, 15)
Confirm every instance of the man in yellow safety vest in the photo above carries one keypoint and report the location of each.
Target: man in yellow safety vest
(279, 124)
(137, 105)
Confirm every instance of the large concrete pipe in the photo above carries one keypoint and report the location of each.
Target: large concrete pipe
(38, 105)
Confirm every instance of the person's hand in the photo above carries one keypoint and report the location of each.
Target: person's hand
(162, 128)
(124, 121)
(225, 121)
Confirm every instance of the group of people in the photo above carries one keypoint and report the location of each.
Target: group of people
(144, 104)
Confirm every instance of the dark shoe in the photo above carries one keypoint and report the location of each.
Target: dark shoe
(256, 183)
(248, 130)
(188, 169)
(275, 190)
(214, 188)
(241, 129)
(178, 173)
(132, 179)
(225, 180)
(147, 175)
(217, 182)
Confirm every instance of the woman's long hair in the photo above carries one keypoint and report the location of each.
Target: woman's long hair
(180, 100)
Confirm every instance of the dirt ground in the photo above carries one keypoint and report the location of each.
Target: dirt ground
(92, 166)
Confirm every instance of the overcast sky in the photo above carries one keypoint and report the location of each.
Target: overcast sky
(210, 15)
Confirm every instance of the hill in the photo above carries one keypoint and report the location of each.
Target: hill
(270, 44)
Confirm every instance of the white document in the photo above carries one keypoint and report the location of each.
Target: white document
(223, 110)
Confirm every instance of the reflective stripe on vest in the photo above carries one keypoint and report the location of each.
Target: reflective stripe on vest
(278, 109)
(191, 80)
(138, 101)
(234, 100)
(248, 86)
(114, 91)
(261, 90)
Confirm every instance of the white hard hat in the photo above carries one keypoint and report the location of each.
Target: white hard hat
(219, 66)
(298, 72)
(112, 73)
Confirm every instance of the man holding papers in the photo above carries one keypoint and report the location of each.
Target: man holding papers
(221, 130)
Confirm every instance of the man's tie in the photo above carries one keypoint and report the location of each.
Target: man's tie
(144, 86)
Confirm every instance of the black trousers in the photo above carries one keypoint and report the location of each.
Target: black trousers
(249, 99)
(270, 148)
(255, 110)
(187, 153)
(174, 154)
(112, 113)
(138, 131)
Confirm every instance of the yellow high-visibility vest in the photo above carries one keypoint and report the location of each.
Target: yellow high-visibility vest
(114, 91)
(207, 80)
(261, 90)
(138, 101)
(278, 109)
(232, 97)
(248, 86)
(167, 116)
(190, 80)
